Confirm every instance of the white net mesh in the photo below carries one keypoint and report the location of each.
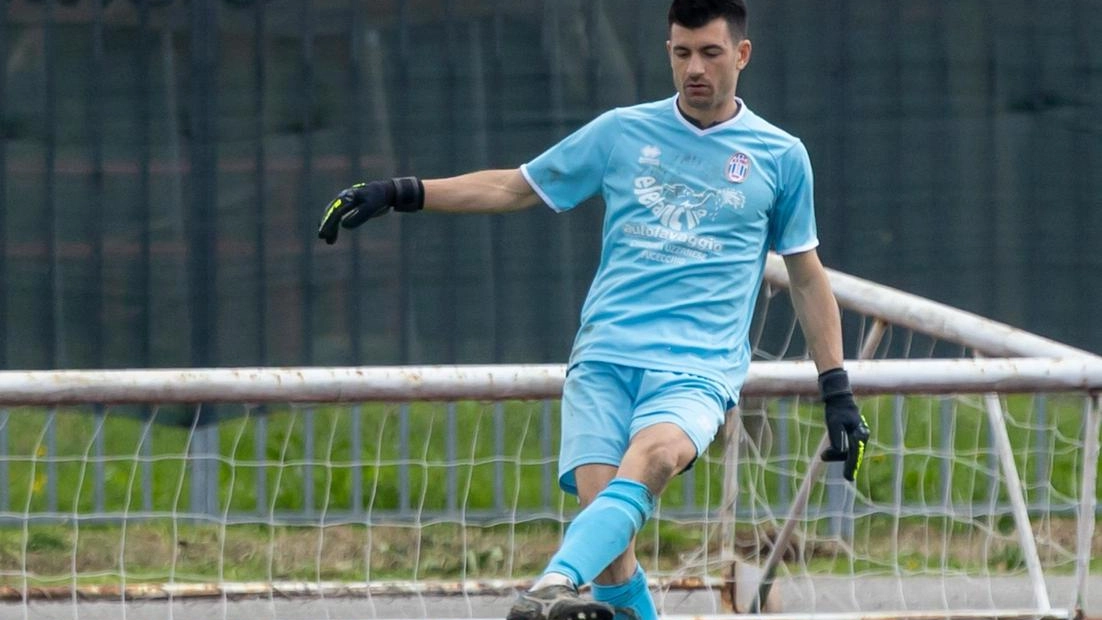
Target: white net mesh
(442, 508)
(928, 525)
(434, 498)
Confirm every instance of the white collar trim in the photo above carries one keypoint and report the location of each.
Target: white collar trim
(702, 132)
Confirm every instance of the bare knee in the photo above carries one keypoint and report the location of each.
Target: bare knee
(656, 455)
(660, 460)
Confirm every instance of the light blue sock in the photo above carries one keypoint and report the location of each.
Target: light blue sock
(602, 531)
(632, 599)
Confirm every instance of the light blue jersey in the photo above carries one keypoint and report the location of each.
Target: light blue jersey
(690, 216)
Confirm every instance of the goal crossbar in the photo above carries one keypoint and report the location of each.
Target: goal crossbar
(522, 382)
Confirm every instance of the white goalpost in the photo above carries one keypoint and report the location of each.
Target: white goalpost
(428, 492)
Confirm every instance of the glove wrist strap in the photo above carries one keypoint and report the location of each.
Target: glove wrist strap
(409, 194)
(834, 383)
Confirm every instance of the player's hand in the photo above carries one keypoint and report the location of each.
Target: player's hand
(363, 201)
(846, 427)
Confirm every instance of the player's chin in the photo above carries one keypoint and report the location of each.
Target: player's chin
(699, 102)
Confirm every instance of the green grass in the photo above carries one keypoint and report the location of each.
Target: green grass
(160, 546)
(181, 552)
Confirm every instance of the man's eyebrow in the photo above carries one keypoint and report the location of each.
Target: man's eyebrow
(706, 47)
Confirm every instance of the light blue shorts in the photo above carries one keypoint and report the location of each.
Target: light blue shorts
(604, 405)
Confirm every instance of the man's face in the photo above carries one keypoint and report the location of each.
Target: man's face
(706, 63)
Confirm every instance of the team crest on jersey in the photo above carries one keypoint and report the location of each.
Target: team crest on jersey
(738, 168)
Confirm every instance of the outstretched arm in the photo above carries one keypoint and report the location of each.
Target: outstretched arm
(486, 191)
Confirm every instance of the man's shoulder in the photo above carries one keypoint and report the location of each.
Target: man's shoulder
(772, 136)
(645, 111)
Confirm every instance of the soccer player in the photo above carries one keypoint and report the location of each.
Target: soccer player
(697, 189)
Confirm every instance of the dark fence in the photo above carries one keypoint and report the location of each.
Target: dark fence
(163, 165)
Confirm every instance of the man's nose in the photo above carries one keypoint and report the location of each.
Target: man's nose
(695, 66)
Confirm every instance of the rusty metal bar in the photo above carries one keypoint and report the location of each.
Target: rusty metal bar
(924, 316)
(533, 381)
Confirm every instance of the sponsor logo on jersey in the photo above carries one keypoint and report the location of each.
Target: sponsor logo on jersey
(738, 168)
(680, 207)
(680, 210)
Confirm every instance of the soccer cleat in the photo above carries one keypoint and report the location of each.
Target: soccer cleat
(558, 603)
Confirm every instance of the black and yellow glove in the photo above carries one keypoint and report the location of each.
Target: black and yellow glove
(846, 427)
(363, 201)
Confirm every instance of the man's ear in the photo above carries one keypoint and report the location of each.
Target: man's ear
(743, 49)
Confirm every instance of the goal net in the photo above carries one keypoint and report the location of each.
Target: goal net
(430, 492)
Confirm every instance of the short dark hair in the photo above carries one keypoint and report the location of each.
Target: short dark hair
(698, 13)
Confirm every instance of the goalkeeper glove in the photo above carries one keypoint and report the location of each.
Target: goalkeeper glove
(363, 201)
(846, 427)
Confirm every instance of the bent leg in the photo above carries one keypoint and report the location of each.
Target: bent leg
(673, 418)
(592, 479)
(622, 584)
(603, 530)
(656, 454)
(605, 527)
(599, 540)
